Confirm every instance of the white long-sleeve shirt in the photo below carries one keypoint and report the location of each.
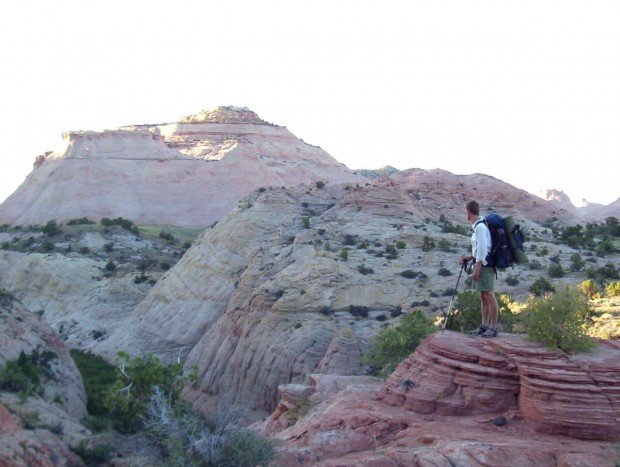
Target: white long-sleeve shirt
(480, 241)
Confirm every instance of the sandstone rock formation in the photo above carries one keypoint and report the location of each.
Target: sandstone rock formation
(592, 212)
(25, 436)
(438, 406)
(262, 298)
(190, 173)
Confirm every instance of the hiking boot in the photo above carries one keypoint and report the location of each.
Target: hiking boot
(478, 331)
(490, 333)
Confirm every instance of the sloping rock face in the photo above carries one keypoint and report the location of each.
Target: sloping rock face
(593, 212)
(260, 299)
(185, 174)
(449, 192)
(23, 331)
(25, 436)
(456, 385)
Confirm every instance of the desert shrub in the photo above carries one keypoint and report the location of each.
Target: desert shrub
(23, 374)
(350, 240)
(362, 269)
(512, 280)
(605, 247)
(98, 376)
(84, 250)
(320, 184)
(427, 244)
(555, 259)
(6, 297)
(558, 320)
(433, 294)
(409, 274)
(613, 289)
(359, 310)
(444, 272)
(397, 311)
(81, 221)
(541, 286)
(576, 262)
(124, 223)
(448, 292)
(92, 456)
(444, 245)
(609, 271)
(589, 288)
(305, 222)
(391, 251)
(400, 244)
(165, 265)
(185, 437)
(555, 270)
(51, 228)
(467, 312)
(136, 379)
(363, 245)
(325, 310)
(110, 266)
(344, 254)
(108, 247)
(544, 251)
(48, 246)
(167, 236)
(381, 317)
(393, 344)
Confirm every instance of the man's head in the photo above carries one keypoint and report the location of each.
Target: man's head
(473, 210)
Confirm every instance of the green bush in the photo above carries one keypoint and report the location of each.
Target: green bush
(444, 245)
(512, 280)
(577, 262)
(80, 221)
(362, 269)
(126, 399)
(305, 222)
(359, 310)
(51, 228)
(467, 313)
(393, 344)
(558, 320)
(350, 240)
(108, 247)
(400, 244)
(555, 270)
(92, 456)
(167, 236)
(609, 271)
(409, 274)
(6, 297)
(427, 244)
(23, 375)
(541, 286)
(320, 184)
(344, 254)
(98, 376)
(48, 246)
(613, 289)
(589, 288)
(110, 266)
(444, 272)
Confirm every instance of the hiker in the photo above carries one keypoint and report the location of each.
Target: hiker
(483, 274)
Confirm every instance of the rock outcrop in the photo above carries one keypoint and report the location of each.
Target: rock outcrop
(593, 212)
(38, 429)
(459, 400)
(260, 299)
(190, 173)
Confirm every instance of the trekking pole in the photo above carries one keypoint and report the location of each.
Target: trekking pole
(448, 314)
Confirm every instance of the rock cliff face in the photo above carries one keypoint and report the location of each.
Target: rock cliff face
(592, 212)
(25, 435)
(440, 405)
(266, 296)
(190, 173)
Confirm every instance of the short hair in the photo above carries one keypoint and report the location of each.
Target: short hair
(473, 207)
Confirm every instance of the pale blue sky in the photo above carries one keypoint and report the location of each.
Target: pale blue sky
(525, 91)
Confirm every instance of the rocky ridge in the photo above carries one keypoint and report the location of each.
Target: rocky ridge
(190, 173)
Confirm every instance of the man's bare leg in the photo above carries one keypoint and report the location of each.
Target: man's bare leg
(492, 309)
(485, 309)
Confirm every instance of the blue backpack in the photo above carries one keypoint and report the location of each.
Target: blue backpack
(500, 256)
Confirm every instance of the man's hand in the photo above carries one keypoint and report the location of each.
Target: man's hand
(465, 259)
(476, 273)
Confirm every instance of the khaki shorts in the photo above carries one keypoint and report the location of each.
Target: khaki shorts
(486, 280)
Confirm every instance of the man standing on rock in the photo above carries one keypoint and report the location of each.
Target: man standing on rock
(483, 275)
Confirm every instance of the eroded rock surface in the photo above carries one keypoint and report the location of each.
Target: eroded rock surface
(438, 408)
